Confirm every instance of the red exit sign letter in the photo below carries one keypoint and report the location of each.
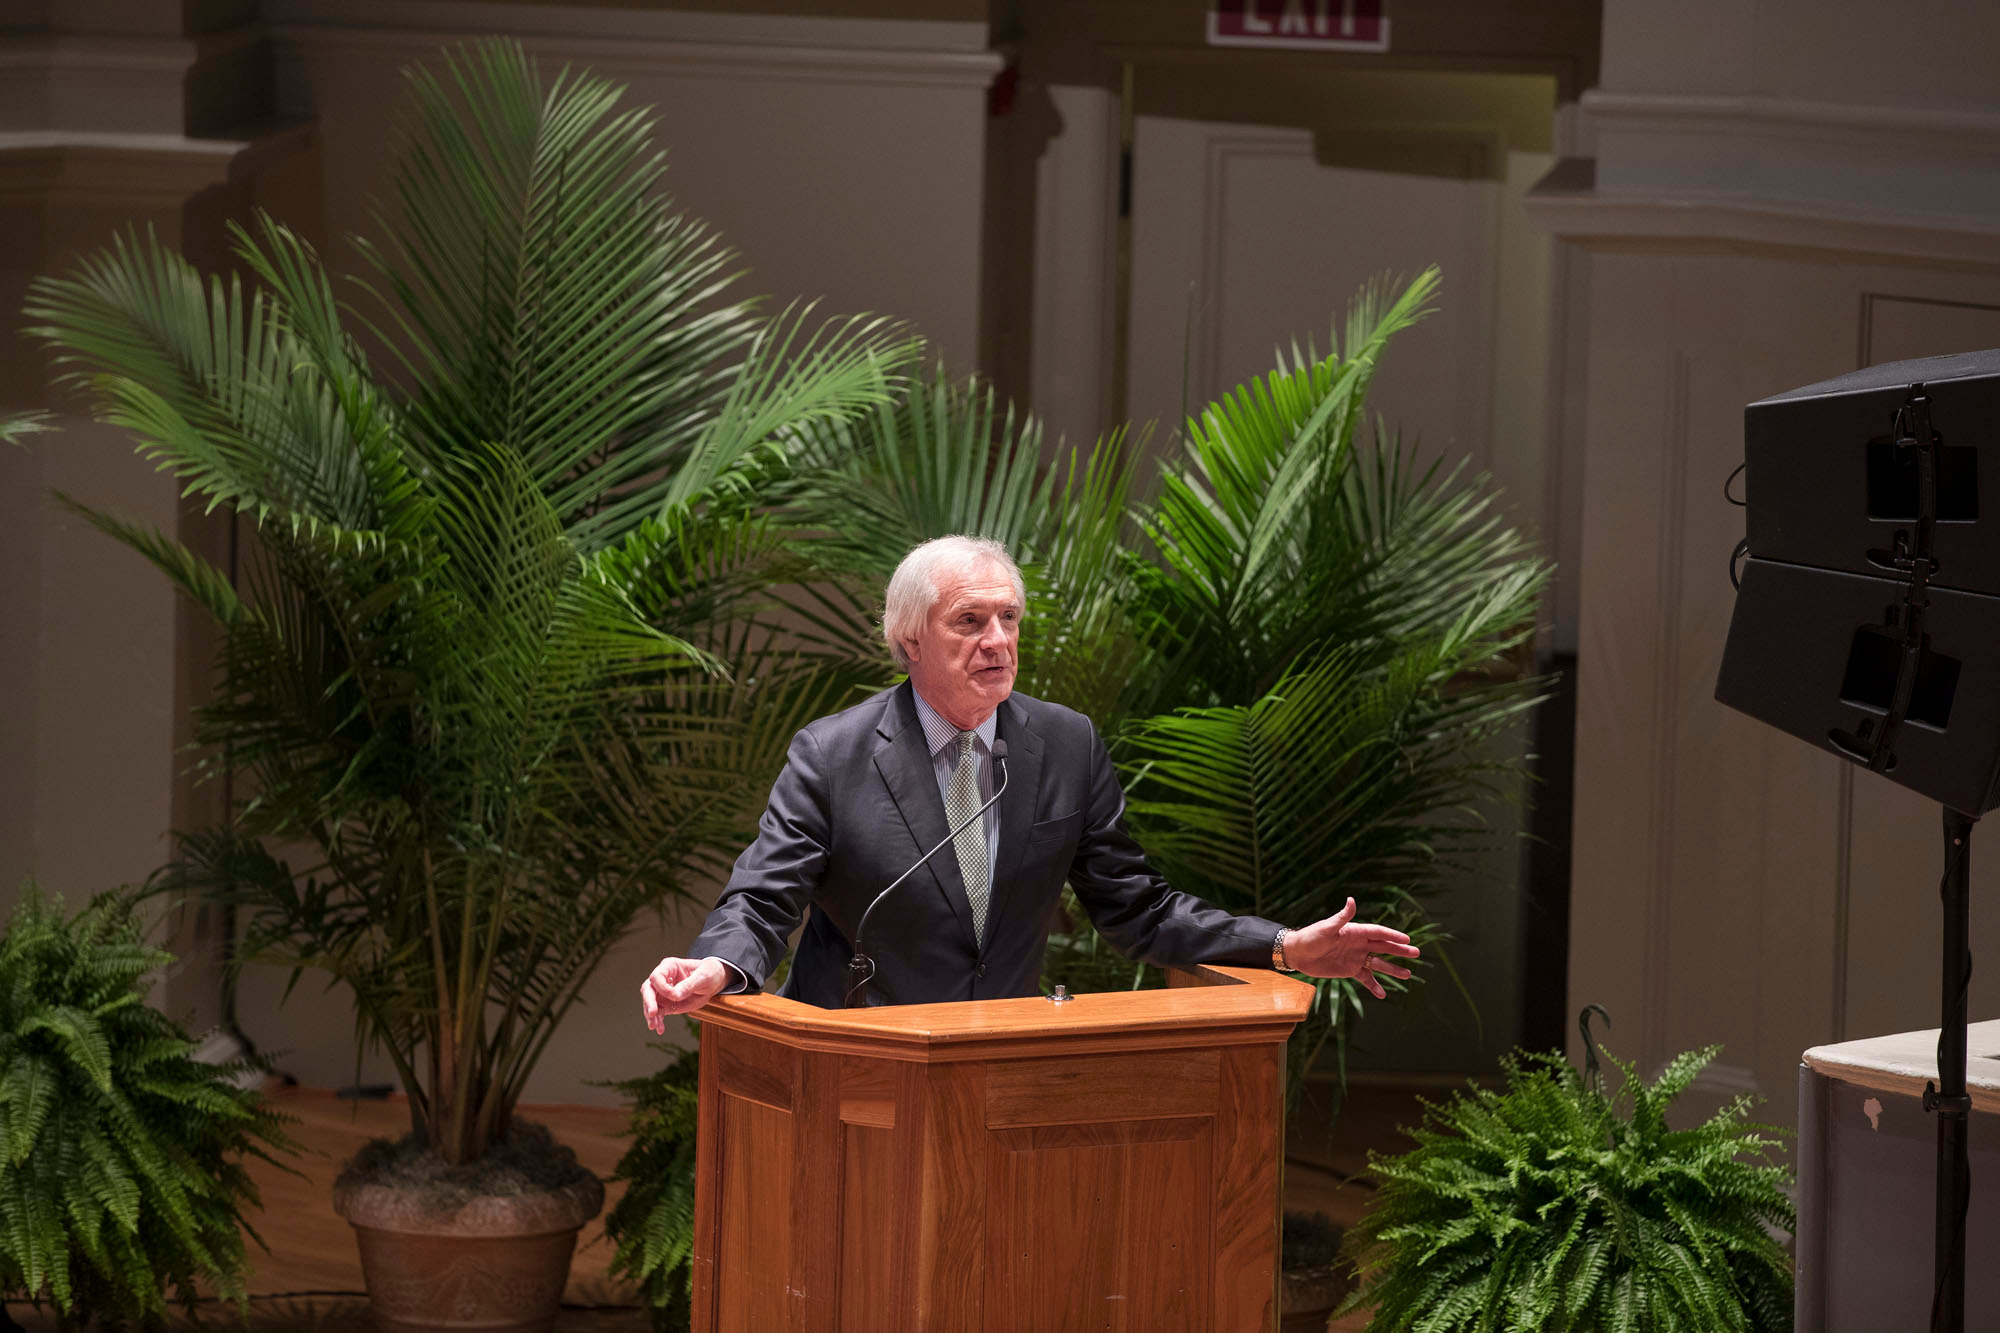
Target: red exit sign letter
(1328, 25)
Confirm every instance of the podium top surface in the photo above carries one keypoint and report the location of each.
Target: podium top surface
(1215, 1006)
(1903, 1061)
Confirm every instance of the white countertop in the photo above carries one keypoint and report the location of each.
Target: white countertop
(1904, 1061)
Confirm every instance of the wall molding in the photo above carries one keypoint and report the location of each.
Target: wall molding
(1832, 121)
(293, 44)
(1750, 171)
(211, 81)
(71, 52)
(1572, 209)
(149, 170)
(629, 42)
(593, 22)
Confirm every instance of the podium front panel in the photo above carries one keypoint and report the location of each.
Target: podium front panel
(1016, 1172)
(1132, 1194)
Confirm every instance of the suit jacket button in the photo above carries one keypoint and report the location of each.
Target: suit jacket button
(979, 971)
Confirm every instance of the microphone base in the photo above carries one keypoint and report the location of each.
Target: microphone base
(860, 971)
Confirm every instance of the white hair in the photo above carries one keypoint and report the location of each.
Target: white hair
(913, 588)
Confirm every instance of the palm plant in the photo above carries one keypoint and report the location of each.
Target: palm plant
(948, 457)
(1293, 642)
(494, 658)
(1556, 1205)
(121, 1156)
(16, 427)
(1323, 614)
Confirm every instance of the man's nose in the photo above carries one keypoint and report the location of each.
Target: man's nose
(993, 634)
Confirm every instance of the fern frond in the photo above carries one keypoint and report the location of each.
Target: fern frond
(652, 1226)
(1557, 1206)
(119, 1181)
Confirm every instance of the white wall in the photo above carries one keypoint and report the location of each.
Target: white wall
(1075, 258)
(843, 159)
(96, 676)
(1782, 192)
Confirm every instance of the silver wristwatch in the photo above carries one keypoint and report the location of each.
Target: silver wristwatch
(1278, 949)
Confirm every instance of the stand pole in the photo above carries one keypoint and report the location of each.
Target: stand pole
(1948, 1098)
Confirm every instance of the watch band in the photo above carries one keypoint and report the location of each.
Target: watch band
(1278, 949)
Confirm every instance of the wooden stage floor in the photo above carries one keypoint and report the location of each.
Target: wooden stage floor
(310, 1276)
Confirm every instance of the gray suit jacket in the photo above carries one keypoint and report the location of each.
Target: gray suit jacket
(858, 802)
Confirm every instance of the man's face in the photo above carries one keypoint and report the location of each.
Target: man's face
(964, 660)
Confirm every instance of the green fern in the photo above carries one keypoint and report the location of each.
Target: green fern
(653, 1223)
(121, 1156)
(1555, 1207)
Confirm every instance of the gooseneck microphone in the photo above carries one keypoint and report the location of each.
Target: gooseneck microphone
(861, 968)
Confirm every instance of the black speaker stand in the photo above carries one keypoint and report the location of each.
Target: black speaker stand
(1947, 1096)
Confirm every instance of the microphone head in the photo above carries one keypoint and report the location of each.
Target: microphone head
(999, 749)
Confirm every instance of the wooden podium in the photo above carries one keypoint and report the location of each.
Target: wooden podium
(999, 1166)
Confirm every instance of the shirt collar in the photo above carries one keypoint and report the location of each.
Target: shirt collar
(939, 733)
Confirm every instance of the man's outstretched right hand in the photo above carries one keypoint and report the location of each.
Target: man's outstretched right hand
(680, 986)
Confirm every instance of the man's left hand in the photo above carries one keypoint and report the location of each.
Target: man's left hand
(1340, 946)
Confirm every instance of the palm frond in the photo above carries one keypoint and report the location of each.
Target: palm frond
(948, 457)
(556, 304)
(15, 427)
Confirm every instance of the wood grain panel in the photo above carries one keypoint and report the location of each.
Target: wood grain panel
(1083, 1088)
(1249, 1126)
(951, 1248)
(867, 1092)
(1100, 1226)
(753, 1258)
(913, 1118)
(871, 1219)
(757, 1070)
(815, 1197)
(707, 1183)
(995, 1166)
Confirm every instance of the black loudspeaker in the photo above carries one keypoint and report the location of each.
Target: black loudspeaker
(1867, 620)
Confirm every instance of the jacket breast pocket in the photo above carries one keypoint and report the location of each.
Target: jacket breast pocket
(1064, 828)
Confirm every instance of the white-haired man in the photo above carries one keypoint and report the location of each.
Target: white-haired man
(867, 791)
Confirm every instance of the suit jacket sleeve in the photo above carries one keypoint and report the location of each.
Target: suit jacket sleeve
(1132, 905)
(776, 876)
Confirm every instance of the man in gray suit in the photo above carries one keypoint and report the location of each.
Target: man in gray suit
(867, 791)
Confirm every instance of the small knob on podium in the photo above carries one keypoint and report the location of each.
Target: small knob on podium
(1060, 995)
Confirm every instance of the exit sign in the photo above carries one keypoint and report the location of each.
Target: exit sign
(1325, 25)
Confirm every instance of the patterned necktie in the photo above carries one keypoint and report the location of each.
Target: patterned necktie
(961, 799)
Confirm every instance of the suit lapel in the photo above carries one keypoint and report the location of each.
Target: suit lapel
(902, 757)
(1017, 809)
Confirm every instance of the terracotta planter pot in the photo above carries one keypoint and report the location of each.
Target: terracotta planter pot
(495, 1265)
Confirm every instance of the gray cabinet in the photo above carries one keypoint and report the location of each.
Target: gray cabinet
(1866, 1156)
